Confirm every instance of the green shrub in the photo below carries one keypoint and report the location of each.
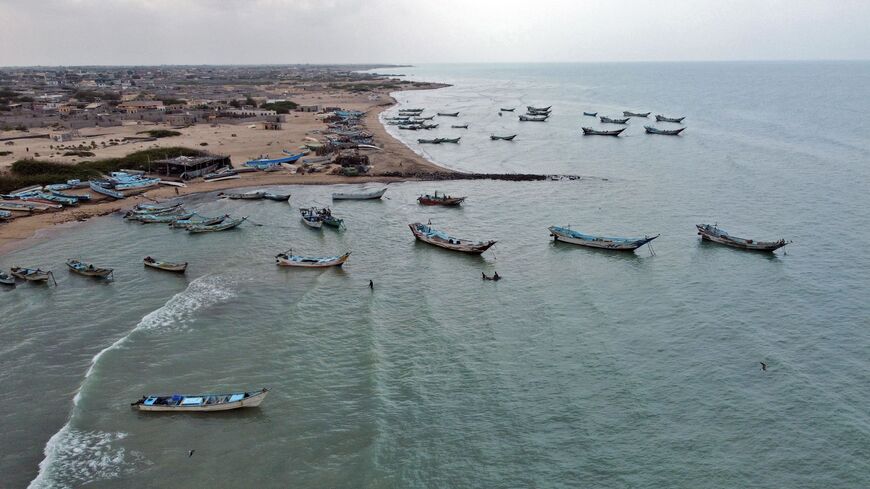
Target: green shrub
(280, 107)
(160, 133)
(83, 154)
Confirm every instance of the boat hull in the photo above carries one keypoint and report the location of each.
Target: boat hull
(713, 234)
(166, 266)
(452, 244)
(447, 201)
(252, 401)
(623, 244)
(287, 261)
(359, 196)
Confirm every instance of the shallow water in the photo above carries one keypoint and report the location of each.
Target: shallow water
(580, 368)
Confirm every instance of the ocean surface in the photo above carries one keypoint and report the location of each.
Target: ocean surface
(581, 368)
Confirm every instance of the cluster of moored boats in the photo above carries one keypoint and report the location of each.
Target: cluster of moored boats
(626, 117)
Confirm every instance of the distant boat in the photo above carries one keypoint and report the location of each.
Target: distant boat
(431, 236)
(225, 174)
(713, 233)
(310, 218)
(635, 114)
(165, 265)
(79, 197)
(534, 118)
(223, 226)
(588, 131)
(126, 181)
(420, 119)
(537, 112)
(538, 109)
(32, 274)
(429, 141)
(197, 220)
(276, 197)
(200, 402)
(256, 195)
(103, 189)
(665, 132)
(154, 211)
(165, 218)
(661, 118)
(619, 244)
(460, 126)
(507, 110)
(450, 140)
(155, 208)
(87, 269)
(502, 138)
(411, 127)
(328, 219)
(442, 199)
(4, 215)
(287, 260)
(608, 120)
(6, 279)
(364, 195)
(448, 114)
(266, 163)
(591, 114)
(28, 207)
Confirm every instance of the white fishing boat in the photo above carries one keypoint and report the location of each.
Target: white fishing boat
(364, 195)
(289, 260)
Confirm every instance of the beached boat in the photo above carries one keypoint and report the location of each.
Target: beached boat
(101, 187)
(78, 197)
(711, 232)
(429, 141)
(5, 215)
(441, 239)
(448, 114)
(635, 114)
(126, 181)
(328, 219)
(257, 195)
(538, 109)
(507, 110)
(224, 174)
(619, 244)
(27, 207)
(167, 218)
(588, 131)
(364, 195)
(311, 218)
(200, 402)
(459, 126)
(609, 120)
(197, 220)
(226, 224)
(289, 260)
(591, 114)
(661, 118)
(88, 269)
(276, 197)
(534, 118)
(442, 199)
(502, 138)
(155, 211)
(157, 207)
(664, 132)
(51, 199)
(6, 279)
(411, 127)
(32, 274)
(270, 163)
(165, 265)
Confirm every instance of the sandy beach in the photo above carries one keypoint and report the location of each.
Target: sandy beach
(240, 142)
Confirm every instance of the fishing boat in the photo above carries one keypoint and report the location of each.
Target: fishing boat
(78, 197)
(328, 219)
(411, 127)
(429, 141)
(537, 112)
(609, 120)
(364, 195)
(449, 140)
(32, 274)
(442, 199)
(661, 118)
(127, 181)
(591, 114)
(507, 110)
(165, 265)
(27, 207)
(70, 184)
(448, 114)
(88, 269)
(713, 233)
(459, 126)
(588, 131)
(266, 163)
(276, 197)
(145, 207)
(534, 118)
(225, 174)
(6, 279)
(441, 239)
(5, 215)
(310, 218)
(223, 226)
(162, 218)
(502, 138)
(567, 235)
(50, 199)
(257, 195)
(538, 109)
(289, 260)
(173, 209)
(664, 132)
(635, 114)
(102, 188)
(197, 220)
(200, 402)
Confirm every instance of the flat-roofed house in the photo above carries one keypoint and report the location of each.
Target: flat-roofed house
(134, 106)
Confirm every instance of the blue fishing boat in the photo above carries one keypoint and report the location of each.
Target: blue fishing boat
(5, 215)
(80, 198)
(264, 163)
(102, 187)
(127, 181)
(200, 402)
(42, 196)
(226, 224)
(441, 239)
(619, 244)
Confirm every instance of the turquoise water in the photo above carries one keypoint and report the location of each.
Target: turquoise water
(580, 368)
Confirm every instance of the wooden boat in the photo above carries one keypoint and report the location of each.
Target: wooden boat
(459, 126)
(276, 197)
(223, 226)
(365, 195)
(135, 213)
(200, 402)
(661, 118)
(222, 175)
(507, 110)
(410, 127)
(442, 199)
(162, 218)
(78, 197)
(591, 114)
(502, 138)
(449, 140)
(608, 120)
(270, 163)
(429, 141)
(6, 279)
(664, 132)
(619, 244)
(245, 196)
(713, 233)
(448, 114)
(421, 119)
(87, 269)
(534, 118)
(5, 215)
(310, 218)
(426, 234)
(537, 112)
(144, 207)
(197, 220)
(165, 265)
(32, 274)
(103, 189)
(328, 219)
(288, 260)
(51, 199)
(588, 131)
(538, 109)
(27, 207)
(635, 114)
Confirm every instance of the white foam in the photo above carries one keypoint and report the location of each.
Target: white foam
(87, 455)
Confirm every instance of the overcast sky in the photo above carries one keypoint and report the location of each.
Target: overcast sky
(77, 32)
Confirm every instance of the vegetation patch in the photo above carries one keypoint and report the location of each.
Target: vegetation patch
(280, 107)
(79, 152)
(160, 133)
